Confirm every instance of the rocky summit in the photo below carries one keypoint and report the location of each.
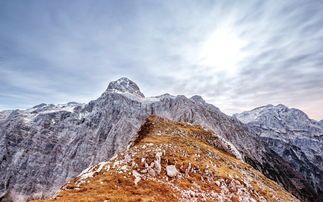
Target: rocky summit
(293, 136)
(44, 147)
(172, 161)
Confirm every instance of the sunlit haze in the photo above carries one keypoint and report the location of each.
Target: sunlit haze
(221, 50)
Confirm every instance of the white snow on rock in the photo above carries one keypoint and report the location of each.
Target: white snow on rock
(51, 108)
(246, 117)
(30, 114)
(135, 97)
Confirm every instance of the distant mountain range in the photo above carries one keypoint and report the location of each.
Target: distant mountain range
(293, 136)
(44, 147)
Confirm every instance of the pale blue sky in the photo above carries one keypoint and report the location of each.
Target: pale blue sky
(236, 54)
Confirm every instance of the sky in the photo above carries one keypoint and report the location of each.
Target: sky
(237, 55)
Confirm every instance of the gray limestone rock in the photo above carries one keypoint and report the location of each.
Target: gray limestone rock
(293, 136)
(43, 147)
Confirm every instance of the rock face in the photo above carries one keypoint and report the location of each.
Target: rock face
(45, 146)
(124, 85)
(293, 136)
(172, 161)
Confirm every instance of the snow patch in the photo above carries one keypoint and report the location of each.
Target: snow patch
(135, 97)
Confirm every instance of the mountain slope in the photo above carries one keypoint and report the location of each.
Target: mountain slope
(174, 162)
(293, 136)
(44, 147)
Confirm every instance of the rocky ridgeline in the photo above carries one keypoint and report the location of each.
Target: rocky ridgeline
(293, 136)
(172, 161)
(45, 146)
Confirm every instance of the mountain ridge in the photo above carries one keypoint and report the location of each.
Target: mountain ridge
(175, 162)
(46, 147)
(293, 136)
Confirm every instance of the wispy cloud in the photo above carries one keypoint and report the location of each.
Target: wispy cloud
(60, 51)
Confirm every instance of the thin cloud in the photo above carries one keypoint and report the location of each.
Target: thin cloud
(60, 51)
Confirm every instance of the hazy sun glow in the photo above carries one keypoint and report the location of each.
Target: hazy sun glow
(221, 51)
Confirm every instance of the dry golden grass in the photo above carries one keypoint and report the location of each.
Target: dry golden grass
(184, 146)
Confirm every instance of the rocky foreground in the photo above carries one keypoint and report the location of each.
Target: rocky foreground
(172, 161)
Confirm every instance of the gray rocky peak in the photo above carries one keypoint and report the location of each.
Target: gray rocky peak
(166, 95)
(198, 99)
(269, 114)
(124, 85)
(293, 136)
(73, 103)
(40, 105)
(281, 106)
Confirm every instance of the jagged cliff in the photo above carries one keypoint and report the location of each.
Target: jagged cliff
(293, 136)
(173, 161)
(45, 146)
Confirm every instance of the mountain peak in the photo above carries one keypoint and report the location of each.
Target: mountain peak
(125, 85)
(198, 99)
(281, 106)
